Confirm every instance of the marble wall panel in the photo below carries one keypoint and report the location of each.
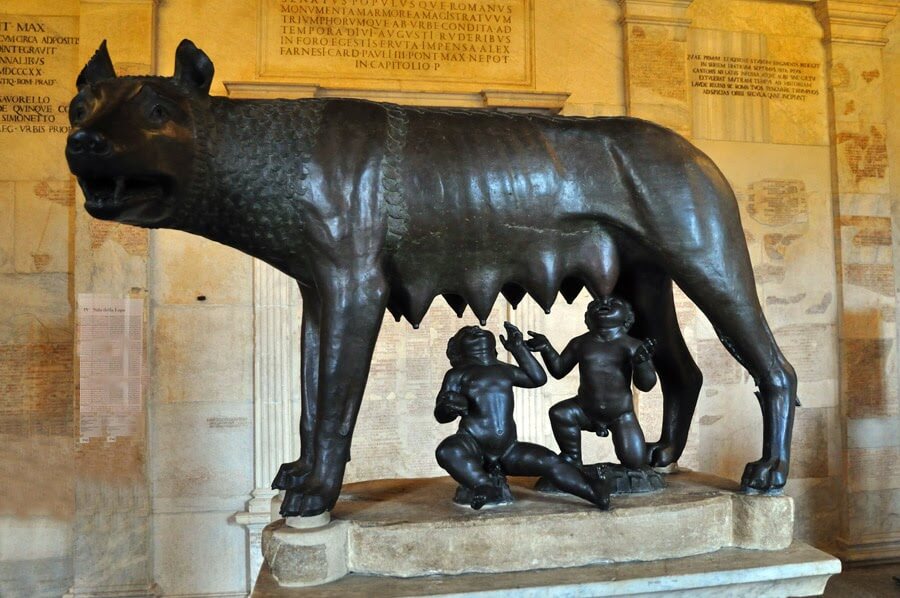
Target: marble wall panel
(7, 227)
(203, 456)
(26, 464)
(730, 430)
(43, 210)
(811, 440)
(199, 554)
(657, 74)
(862, 157)
(405, 45)
(36, 504)
(36, 578)
(34, 308)
(792, 119)
(190, 270)
(867, 375)
(816, 510)
(858, 85)
(889, 205)
(579, 49)
(872, 469)
(875, 514)
(202, 353)
(779, 18)
(717, 115)
(112, 516)
(36, 389)
(749, 87)
(873, 433)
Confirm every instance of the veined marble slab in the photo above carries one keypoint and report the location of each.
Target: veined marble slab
(799, 570)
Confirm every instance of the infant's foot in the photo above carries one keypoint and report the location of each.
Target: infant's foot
(482, 495)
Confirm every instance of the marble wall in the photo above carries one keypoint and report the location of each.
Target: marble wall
(795, 100)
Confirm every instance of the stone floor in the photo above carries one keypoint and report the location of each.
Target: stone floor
(865, 582)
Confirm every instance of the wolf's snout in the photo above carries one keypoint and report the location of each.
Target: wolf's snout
(87, 142)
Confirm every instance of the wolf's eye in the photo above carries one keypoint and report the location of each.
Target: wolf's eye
(77, 112)
(158, 114)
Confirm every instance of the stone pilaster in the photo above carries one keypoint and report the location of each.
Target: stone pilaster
(112, 506)
(854, 38)
(656, 48)
(276, 396)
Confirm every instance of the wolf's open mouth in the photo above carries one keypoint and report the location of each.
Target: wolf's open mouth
(116, 192)
(126, 199)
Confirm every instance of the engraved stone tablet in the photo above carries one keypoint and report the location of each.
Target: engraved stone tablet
(485, 42)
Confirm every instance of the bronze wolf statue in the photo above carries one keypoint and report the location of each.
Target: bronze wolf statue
(375, 207)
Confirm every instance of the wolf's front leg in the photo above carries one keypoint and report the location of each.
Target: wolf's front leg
(291, 474)
(352, 307)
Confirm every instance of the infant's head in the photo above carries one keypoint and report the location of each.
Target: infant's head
(469, 341)
(608, 313)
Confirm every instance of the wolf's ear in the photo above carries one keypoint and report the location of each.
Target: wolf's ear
(193, 68)
(98, 68)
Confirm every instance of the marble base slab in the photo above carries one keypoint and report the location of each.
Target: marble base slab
(798, 570)
(409, 528)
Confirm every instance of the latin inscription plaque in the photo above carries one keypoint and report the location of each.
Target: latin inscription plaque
(739, 76)
(38, 57)
(484, 41)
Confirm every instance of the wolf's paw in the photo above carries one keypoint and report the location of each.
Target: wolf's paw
(291, 475)
(312, 497)
(661, 454)
(766, 476)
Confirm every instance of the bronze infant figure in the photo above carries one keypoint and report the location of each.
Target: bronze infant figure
(607, 359)
(375, 207)
(479, 390)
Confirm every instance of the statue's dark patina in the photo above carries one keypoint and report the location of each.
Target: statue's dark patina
(375, 206)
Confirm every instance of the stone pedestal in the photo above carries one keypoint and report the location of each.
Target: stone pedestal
(300, 557)
(411, 528)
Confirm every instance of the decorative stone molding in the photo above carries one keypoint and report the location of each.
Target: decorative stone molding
(655, 12)
(500, 99)
(856, 22)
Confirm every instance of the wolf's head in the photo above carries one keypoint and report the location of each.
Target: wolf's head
(132, 144)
